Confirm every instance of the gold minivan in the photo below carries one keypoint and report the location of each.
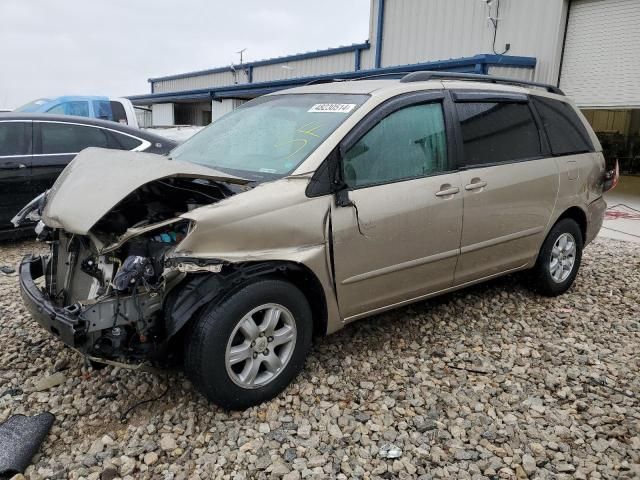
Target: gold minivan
(307, 209)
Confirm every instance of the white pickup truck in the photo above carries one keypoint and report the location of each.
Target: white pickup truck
(106, 108)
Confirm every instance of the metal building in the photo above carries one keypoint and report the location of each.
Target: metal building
(587, 47)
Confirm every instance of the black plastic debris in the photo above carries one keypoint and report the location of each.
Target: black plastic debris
(12, 391)
(20, 440)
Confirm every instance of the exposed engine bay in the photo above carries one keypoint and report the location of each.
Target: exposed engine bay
(161, 200)
(114, 290)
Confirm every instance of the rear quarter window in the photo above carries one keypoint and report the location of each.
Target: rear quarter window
(566, 132)
(123, 142)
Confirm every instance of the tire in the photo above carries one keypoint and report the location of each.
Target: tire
(224, 328)
(553, 279)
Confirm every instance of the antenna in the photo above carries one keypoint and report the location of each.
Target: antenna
(241, 52)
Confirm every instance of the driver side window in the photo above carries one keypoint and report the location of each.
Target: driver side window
(409, 143)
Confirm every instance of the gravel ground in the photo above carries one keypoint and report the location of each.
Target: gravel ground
(490, 382)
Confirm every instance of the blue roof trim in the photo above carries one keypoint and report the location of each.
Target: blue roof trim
(270, 61)
(460, 65)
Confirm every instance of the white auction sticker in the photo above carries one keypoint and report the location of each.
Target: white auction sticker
(332, 107)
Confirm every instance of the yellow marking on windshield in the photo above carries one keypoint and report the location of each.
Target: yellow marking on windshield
(310, 128)
(302, 140)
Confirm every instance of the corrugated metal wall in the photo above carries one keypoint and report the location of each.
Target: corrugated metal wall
(218, 109)
(610, 121)
(512, 72)
(198, 81)
(367, 59)
(427, 30)
(163, 114)
(601, 66)
(343, 62)
(144, 117)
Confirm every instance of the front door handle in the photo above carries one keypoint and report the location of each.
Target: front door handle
(447, 192)
(475, 186)
(12, 166)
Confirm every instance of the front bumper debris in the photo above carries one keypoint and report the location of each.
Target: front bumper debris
(58, 321)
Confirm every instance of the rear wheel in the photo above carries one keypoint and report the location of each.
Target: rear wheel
(559, 259)
(247, 348)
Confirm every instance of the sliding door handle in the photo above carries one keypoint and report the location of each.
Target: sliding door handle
(447, 192)
(475, 186)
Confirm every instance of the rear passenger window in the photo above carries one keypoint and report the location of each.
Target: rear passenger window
(67, 138)
(565, 130)
(119, 115)
(13, 139)
(102, 110)
(495, 132)
(409, 143)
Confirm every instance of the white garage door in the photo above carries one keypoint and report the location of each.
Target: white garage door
(601, 65)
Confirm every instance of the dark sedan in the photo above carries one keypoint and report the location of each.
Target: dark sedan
(35, 148)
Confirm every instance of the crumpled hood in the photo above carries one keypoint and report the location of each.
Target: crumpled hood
(98, 179)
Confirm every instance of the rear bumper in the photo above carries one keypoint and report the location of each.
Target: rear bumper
(595, 217)
(56, 320)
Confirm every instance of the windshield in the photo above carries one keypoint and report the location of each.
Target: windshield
(268, 137)
(32, 106)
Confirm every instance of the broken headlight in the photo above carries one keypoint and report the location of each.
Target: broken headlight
(134, 269)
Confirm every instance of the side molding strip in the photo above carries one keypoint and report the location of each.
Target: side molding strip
(401, 266)
(499, 240)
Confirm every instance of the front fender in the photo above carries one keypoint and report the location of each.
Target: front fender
(274, 222)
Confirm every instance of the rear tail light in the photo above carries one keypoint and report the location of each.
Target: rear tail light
(611, 178)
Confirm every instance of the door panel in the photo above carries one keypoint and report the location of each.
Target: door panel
(407, 247)
(46, 169)
(509, 187)
(398, 237)
(50, 157)
(15, 169)
(57, 143)
(505, 220)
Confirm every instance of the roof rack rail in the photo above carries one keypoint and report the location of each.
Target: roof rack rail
(423, 76)
(381, 75)
(320, 81)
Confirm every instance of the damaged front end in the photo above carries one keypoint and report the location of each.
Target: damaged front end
(105, 291)
(106, 305)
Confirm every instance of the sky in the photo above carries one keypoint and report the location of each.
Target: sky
(111, 47)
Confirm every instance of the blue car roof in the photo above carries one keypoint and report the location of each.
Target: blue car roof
(76, 98)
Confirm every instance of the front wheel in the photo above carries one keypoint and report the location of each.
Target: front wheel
(247, 348)
(559, 259)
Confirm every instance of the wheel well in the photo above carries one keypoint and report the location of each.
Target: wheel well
(304, 279)
(185, 300)
(578, 215)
